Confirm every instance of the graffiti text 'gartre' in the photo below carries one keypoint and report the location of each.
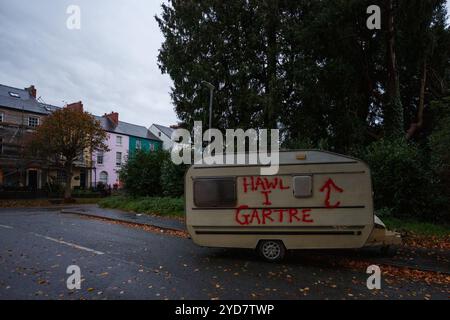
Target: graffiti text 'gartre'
(247, 216)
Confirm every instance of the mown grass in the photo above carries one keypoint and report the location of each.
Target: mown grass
(150, 205)
(417, 227)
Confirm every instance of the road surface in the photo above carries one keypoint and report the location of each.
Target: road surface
(122, 262)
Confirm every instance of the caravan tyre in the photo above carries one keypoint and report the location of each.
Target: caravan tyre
(271, 250)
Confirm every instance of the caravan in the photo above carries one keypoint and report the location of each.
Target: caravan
(318, 200)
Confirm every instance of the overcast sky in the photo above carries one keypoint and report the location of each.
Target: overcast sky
(110, 63)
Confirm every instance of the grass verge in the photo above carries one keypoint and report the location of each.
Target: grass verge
(163, 206)
(417, 227)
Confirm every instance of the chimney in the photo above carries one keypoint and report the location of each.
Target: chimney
(32, 91)
(78, 106)
(113, 117)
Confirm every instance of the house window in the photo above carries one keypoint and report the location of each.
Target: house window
(1, 117)
(138, 144)
(215, 192)
(119, 140)
(118, 159)
(33, 121)
(61, 177)
(152, 147)
(159, 134)
(100, 157)
(104, 177)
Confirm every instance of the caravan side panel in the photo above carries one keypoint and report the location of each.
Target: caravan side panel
(307, 205)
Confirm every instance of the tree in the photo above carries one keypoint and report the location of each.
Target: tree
(172, 178)
(311, 68)
(234, 46)
(393, 109)
(314, 70)
(426, 65)
(440, 153)
(65, 135)
(141, 175)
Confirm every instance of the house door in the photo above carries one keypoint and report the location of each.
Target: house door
(83, 179)
(32, 180)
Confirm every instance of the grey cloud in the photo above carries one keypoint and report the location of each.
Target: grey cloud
(110, 64)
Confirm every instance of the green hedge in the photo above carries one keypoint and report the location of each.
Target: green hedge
(141, 174)
(150, 205)
(153, 174)
(403, 181)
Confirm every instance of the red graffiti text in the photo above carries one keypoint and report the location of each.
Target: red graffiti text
(264, 186)
(248, 216)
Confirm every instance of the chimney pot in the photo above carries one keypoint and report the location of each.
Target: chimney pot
(32, 91)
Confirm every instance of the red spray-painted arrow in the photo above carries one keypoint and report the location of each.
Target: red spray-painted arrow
(328, 186)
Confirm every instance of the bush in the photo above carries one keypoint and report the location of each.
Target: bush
(150, 205)
(54, 189)
(172, 178)
(101, 186)
(402, 180)
(141, 174)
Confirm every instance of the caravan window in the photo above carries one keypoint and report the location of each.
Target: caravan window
(215, 192)
(302, 186)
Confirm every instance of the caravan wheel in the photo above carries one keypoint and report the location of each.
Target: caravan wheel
(271, 250)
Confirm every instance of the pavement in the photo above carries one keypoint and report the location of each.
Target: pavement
(119, 215)
(118, 261)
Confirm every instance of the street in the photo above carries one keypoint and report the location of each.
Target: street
(119, 261)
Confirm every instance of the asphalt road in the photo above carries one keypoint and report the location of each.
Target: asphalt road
(123, 262)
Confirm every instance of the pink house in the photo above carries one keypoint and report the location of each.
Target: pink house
(107, 164)
(123, 137)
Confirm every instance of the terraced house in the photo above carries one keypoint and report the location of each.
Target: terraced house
(164, 133)
(20, 113)
(124, 139)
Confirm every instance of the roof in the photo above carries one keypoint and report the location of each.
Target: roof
(126, 128)
(166, 130)
(21, 99)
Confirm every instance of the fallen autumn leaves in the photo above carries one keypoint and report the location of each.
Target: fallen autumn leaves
(394, 273)
(426, 242)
